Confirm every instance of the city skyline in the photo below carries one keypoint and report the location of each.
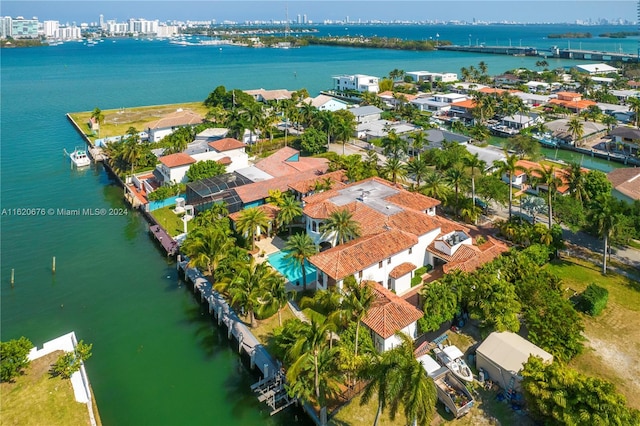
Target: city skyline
(542, 11)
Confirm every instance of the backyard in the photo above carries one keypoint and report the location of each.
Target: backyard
(170, 221)
(36, 398)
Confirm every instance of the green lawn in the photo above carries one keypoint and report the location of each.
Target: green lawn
(36, 398)
(116, 121)
(614, 336)
(170, 221)
(264, 330)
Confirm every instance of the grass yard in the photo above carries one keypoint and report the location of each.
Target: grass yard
(37, 399)
(354, 414)
(117, 121)
(264, 330)
(613, 337)
(170, 221)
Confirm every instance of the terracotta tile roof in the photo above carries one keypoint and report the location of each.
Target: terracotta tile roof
(389, 94)
(467, 104)
(270, 210)
(226, 144)
(401, 270)
(486, 253)
(347, 259)
(491, 90)
(569, 95)
(177, 159)
(533, 167)
(260, 190)
(389, 313)
(464, 253)
(270, 95)
(627, 181)
(287, 161)
(413, 200)
(225, 161)
(305, 186)
(580, 105)
(175, 119)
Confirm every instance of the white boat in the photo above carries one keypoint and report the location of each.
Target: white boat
(79, 157)
(451, 391)
(452, 358)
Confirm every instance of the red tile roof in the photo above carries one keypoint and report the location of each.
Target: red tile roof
(305, 186)
(389, 313)
(346, 259)
(627, 181)
(269, 209)
(177, 159)
(488, 251)
(287, 161)
(402, 269)
(260, 190)
(226, 144)
(577, 105)
(225, 161)
(466, 104)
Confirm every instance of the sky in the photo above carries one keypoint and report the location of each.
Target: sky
(319, 10)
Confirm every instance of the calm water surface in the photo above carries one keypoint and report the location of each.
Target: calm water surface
(157, 358)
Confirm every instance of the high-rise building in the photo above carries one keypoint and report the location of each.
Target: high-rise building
(5, 26)
(24, 28)
(101, 21)
(51, 28)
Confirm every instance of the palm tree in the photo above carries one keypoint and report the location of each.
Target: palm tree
(309, 343)
(417, 169)
(606, 220)
(418, 142)
(394, 146)
(300, 248)
(533, 205)
(576, 128)
(458, 127)
(609, 120)
(207, 246)
(394, 170)
(329, 124)
(576, 180)
(634, 105)
(359, 298)
(456, 177)
(247, 286)
(98, 115)
(509, 167)
(399, 379)
(274, 296)
(435, 186)
(547, 176)
(252, 221)
(290, 209)
(474, 163)
(340, 227)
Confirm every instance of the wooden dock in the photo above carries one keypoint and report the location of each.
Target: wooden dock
(270, 388)
(169, 244)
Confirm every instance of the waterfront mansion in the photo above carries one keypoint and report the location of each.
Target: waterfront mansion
(399, 233)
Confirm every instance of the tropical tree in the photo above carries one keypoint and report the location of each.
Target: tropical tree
(577, 182)
(207, 246)
(546, 175)
(340, 227)
(97, 115)
(509, 167)
(605, 219)
(14, 358)
(300, 248)
(456, 178)
(394, 170)
(576, 128)
(418, 143)
(247, 286)
(417, 169)
(328, 124)
(311, 340)
(358, 299)
(290, 210)
(70, 362)
(252, 221)
(474, 163)
(533, 205)
(435, 186)
(440, 304)
(274, 297)
(399, 380)
(634, 106)
(394, 146)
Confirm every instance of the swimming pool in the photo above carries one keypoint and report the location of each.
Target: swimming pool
(290, 270)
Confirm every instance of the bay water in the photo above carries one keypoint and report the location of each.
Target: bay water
(157, 356)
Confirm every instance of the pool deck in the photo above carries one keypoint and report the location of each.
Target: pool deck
(269, 246)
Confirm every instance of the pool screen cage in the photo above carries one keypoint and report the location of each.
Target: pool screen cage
(206, 192)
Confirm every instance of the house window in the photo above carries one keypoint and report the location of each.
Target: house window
(313, 226)
(360, 274)
(380, 264)
(388, 261)
(410, 250)
(389, 283)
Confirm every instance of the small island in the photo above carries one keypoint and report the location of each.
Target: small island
(570, 35)
(620, 34)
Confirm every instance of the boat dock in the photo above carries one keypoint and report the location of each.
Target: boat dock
(168, 244)
(270, 388)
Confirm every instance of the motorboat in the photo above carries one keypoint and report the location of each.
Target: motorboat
(452, 358)
(451, 390)
(79, 157)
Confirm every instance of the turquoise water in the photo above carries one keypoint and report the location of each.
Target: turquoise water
(157, 357)
(290, 270)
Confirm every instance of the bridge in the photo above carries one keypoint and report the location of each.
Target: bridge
(592, 55)
(497, 50)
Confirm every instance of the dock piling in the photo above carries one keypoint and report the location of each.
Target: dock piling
(13, 275)
(53, 265)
